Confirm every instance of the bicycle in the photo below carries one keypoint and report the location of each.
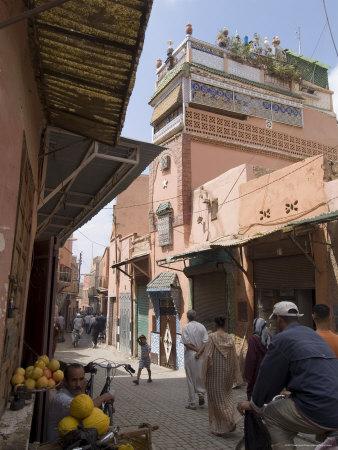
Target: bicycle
(91, 368)
(101, 338)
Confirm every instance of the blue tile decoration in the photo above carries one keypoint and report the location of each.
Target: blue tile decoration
(155, 343)
(245, 104)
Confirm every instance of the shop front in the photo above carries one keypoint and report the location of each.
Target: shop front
(165, 295)
(284, 270)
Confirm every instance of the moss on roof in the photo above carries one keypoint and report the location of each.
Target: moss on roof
(85, 56)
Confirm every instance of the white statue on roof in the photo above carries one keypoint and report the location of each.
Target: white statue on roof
(267, 47)
(277, 51)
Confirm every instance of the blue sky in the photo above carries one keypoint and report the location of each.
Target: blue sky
(167, 22)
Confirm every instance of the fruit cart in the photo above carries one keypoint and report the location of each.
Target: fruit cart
(133, 438)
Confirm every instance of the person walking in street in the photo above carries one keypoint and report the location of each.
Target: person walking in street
(92, 321)
(56, 333)
(321, 315)
(299, 360)
(194, 339)
(257, 347)
(61, 322)
(95, 330)
(87, 322)
(144, 360)
(221, 371)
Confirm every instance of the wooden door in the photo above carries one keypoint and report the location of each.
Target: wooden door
(17, 286)
(168, 337)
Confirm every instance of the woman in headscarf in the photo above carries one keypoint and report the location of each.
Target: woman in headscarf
(257, 347)
(221, 370)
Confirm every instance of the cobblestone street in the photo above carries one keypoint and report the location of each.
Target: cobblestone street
(160, 403)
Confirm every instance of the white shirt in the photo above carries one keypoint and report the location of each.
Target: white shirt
(194, 333)
(87, 320)
(58, 408)
(78, 323)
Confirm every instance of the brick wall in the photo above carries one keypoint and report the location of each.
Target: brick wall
(179, 149)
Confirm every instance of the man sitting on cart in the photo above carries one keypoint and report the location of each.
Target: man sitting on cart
(74, 383)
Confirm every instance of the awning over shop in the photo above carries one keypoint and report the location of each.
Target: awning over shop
(192, 253)
(163, 282)
(85, 55)
(236, 241)
(82, 176)
(129, 260)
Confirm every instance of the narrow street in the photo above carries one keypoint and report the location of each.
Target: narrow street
(160, 403)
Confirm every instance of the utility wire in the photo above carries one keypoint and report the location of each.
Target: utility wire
(227, 200)
(90, 240)
(328, 23)
(320, 36)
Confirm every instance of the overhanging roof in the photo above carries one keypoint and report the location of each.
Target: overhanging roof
(192, 253)
(130, 260)
(85, 56)
(234, 241)
(163, 282)
(82, 176)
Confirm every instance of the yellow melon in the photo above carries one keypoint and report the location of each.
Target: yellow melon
(53, 365)
(29, 371)
(97, 420)
(20, 371)
(67, 424)
(17, 378)
(58, 376)
(45, 359)
(42, 382)
(30, 383)
(40, 363)
(36, 373)
(51, 383)
(81, 406)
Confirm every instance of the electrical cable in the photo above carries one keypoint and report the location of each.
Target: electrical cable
(328, 23)
(320, 36)
(90, 240)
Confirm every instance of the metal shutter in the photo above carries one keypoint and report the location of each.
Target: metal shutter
(142, 310)
(289, 272)
(210, 297)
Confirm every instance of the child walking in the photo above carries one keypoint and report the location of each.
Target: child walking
(144, 360)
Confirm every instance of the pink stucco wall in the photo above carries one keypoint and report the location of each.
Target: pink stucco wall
(20, 115)
(301, 182)
(225, 189)
(211, 160)
(331, 191)
(131, 204)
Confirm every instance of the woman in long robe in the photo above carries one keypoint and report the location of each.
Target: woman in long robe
(221, 372)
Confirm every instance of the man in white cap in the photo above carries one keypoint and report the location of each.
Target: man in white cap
(299, 360)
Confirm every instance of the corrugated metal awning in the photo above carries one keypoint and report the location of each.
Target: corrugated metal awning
(85, 55)
(82, 176)
(163, 282)
(192, 253)
(239, 241)
(167, 105)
